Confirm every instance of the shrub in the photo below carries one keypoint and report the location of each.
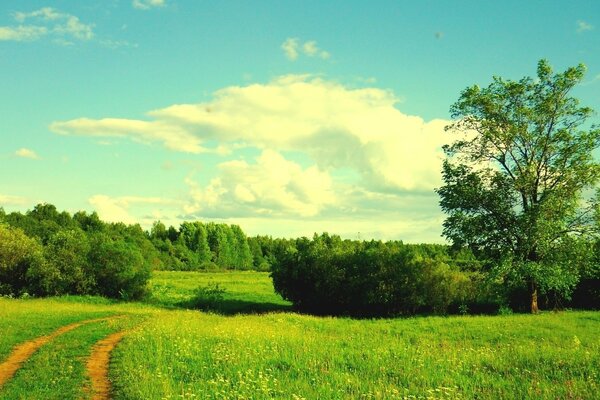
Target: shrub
(18, 254)
(67, 269)
(119, 267)
(331, 276)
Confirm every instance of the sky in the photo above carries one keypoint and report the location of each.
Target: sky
(284, 117)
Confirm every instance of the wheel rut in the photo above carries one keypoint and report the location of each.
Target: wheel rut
(98, 365)
(23, 351)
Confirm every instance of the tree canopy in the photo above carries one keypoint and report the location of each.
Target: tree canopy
(515, 178)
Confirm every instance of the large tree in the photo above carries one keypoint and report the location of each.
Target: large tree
(516, 177)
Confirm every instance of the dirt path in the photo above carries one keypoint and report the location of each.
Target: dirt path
(22, 352)
(97, 365)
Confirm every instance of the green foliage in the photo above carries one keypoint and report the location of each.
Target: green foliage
(18, 254)
(67, 269)
(119, 268)
(190, 354)
(514, 179)
(79, 255)
(197, 246)
(207, 297)
(328, 275)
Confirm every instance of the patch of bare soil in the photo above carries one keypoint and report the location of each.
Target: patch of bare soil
(22, 352)
(98, 364)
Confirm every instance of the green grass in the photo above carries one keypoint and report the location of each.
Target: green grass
(175, 353)
(289, 356)
(22, 320)
(243, 291)
(57, 370)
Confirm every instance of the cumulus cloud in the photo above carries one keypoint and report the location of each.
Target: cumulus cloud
(147, 4)
(47, 21)
(293, 47)
(583, 26)
(326, 151)
(336, 126)
(117, 209)
(272, 186)
(27, 153)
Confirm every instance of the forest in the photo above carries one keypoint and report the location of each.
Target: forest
(47, 252)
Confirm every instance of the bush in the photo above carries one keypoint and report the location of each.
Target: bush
(331, 276)
(67, 269)
(207, 298)
(18, 254)
(119, 268)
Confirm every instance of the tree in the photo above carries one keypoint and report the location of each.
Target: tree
(66, 270)
(243, 256)
(515, 178)
(119, 267)
(18, 254)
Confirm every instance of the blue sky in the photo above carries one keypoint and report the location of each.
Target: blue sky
(284, 117)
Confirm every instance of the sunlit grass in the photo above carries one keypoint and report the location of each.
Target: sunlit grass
(291, 356)
(243, 291)
(173, 353)
(57, 370)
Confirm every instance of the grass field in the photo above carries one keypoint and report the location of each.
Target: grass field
(174, 353)
(242, 291)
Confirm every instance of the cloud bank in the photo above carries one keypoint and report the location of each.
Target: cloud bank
(325, 151)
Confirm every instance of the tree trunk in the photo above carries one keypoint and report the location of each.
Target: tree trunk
(534, 302)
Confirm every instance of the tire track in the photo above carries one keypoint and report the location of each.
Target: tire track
(23, 351)
(98, 363)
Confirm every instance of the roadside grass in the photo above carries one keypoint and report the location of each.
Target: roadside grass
(57, 369)
(288, 356)
(227, 292)
(22, 320)
(174, 353)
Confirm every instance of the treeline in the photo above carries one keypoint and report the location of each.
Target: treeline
(46, 252)
(328, 275)
(198, 246)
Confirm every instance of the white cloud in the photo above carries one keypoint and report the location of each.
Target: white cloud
(583, 26)
(356, 155)
(147, 4)
(27, 153)
(292, 47)
(334, 125)
(47, 21)
(311, 49)
(117, 44)
(173, 137)
(8, 200)
(22, 33)
(45, 13)
(117, 209)
(383, 226)
(273, 186)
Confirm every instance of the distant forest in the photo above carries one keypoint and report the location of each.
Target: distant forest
(45, 252)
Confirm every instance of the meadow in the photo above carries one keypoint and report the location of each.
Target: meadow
(252, 346)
